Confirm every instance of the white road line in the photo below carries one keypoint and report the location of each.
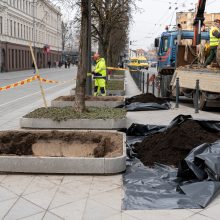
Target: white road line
(30, 95)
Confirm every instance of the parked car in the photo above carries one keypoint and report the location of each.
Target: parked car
(153, 64)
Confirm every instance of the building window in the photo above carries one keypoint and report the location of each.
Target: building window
(11, 27)
(23, 5)
(30, 33)
(27, 7)
(18, 30)
(14, 28)
(21, 31)
(1, 25)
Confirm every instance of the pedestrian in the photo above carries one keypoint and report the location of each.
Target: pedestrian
(60, 64)
(49, 64)
(33, 66)
(214, 42)
(99, 74)
(65, 64)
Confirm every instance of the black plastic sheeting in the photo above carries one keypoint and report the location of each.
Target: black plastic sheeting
(138, 106)
(193, 185)
(131, 105)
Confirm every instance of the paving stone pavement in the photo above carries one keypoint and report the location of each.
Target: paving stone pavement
(89, 197)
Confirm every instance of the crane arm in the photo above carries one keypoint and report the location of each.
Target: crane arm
(198, 21)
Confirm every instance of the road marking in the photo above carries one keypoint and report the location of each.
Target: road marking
(30, 95)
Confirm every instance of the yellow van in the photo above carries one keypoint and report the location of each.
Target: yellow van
(133, 64)
(138, 63)
(143, 64)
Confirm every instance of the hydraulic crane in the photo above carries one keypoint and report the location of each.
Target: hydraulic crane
(199, 21)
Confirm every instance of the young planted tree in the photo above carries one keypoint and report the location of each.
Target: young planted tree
(83, 59)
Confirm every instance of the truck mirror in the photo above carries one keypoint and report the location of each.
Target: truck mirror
(156, 42)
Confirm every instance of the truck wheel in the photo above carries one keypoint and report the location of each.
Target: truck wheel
(165, 85)
(202, 100)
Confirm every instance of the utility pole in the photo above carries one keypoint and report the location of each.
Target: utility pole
(89, 77)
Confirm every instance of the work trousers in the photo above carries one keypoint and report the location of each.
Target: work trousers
(212, 56)
(100, 87)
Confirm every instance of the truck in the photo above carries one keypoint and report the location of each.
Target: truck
(178, 57)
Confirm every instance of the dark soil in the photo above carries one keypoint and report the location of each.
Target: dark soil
(146, 98)
(103, 148)
(20, 143)
(91, 98)
(173, 145)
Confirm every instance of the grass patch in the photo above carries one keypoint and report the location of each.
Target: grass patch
(118, 72)
(63, 114)
(113, 85)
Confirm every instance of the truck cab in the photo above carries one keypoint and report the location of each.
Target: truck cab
(166, 46)
(174, 49)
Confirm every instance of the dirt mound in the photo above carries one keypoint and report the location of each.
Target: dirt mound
(88, 144)
(173, 145)
(91, 98)
(146, 98)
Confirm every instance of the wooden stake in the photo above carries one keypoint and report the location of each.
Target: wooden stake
(38, 74)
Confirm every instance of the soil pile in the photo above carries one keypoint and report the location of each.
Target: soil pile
(145, 98)
(93, 144)
(173, 145)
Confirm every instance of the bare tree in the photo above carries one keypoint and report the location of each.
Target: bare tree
(107, 16)
(82, 68)
(110, 20)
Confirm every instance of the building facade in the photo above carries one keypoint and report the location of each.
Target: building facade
(25, 22)
(186, 19)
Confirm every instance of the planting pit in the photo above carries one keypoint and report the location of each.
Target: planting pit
(92, 101)
(98, 152)
(173, 145)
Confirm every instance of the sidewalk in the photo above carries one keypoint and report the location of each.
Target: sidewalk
(90, 197)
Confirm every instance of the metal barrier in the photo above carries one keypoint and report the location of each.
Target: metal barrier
(177, 92)
(196, 98)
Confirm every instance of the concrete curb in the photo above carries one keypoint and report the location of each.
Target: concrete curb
(68, 165)
(72, 92)
(115, 92)
(88, 124)
(110, 104)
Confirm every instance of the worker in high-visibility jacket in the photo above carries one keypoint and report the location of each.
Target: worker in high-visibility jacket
(99, 74)
(214, 41)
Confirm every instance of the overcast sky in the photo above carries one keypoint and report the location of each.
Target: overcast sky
(156, 15)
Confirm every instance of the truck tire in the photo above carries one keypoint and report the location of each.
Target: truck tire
(165, 85)
(202, 100)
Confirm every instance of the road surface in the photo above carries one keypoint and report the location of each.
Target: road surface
(16, 102)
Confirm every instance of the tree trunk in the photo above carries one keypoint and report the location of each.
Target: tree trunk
(82, 68)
